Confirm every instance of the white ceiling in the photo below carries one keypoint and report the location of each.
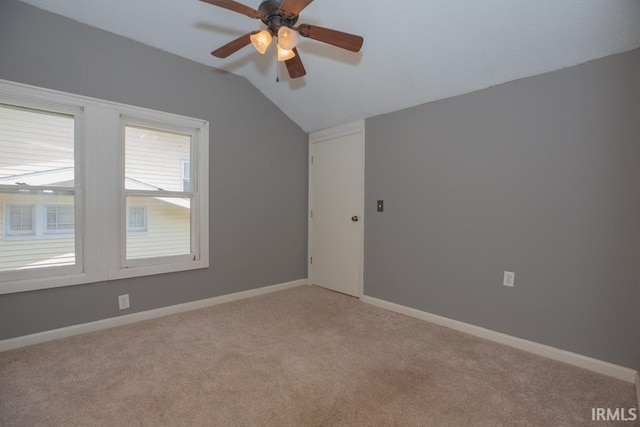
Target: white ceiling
(415, 51)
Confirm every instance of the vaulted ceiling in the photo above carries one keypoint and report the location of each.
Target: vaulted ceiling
(415, 51)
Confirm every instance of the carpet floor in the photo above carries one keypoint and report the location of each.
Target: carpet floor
(300, 357)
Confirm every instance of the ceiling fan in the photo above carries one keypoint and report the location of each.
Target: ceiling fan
(280, 17)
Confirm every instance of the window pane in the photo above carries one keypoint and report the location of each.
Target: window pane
(27, 241)
(60, 218)
(154, 159)
(20, 219)
(137, 218)
(168, 227)
(37, 226)
(37, 148)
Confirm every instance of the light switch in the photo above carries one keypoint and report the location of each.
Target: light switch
(380, 205)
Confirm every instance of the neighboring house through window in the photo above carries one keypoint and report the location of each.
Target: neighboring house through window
(39, 143)
(154, 181)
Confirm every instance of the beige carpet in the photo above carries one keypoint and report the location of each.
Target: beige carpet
(304, 356)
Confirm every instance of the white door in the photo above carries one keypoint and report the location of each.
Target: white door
(336, 200)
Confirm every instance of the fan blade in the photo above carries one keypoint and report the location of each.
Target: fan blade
(236, 7)
(294, 66)
(292, 8)
(336, 38)
(234, 46)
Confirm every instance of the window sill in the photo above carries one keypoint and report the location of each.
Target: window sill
(150, 270)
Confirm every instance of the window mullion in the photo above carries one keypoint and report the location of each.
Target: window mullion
(101, 192)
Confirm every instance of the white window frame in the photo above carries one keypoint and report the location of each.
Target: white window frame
(163, 122)
(23, 96)
(100, 207)
(137, 230)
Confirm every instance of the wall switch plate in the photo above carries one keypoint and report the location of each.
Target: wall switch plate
(509, 279)
(123, 301)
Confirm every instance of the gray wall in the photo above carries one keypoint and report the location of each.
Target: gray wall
(540, 176)
(258, 165)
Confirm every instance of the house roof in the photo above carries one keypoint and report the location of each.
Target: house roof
(415, 51)
(65, 176)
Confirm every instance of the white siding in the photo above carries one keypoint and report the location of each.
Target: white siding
(155, 157)
(33, 252)
(168, 233)
(168, 230)
(34, 141)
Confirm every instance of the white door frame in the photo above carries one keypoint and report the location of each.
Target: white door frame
(353, 128)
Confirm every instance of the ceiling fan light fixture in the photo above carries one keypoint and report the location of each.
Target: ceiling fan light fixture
(287, 37)
(281, 18)
(261, 41)
(285, 54)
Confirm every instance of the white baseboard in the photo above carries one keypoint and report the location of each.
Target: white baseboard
(595, 365)
(54, 334)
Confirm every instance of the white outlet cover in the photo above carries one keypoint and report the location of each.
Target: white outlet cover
(509, 279)
(123, 301)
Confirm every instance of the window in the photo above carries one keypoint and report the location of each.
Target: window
(60, 219)
(20, 220)
(153, 178)
(137, 219)
(92, 190)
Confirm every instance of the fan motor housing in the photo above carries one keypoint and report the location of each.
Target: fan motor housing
(273, 18)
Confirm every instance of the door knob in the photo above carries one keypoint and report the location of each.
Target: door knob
(355, 218)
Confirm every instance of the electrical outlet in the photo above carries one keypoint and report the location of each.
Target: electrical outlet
(509, 279)
(123, 301)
